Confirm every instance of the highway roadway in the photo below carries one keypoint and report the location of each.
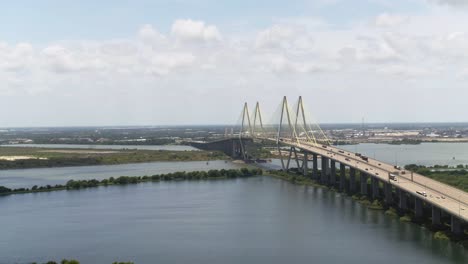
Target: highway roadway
(443, 196)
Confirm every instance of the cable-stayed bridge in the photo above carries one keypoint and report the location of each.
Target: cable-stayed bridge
(299, 140)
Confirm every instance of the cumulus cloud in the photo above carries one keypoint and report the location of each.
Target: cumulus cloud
(291, 39)
(61, 60)
(388, 20)
(16, 58)
(150, 36)
(194, 59)
(163, 64)
(274, 37)
(281, 49)
(193, 30)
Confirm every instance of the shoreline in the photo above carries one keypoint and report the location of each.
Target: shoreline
(71, 157)
(440, 233)
(124, 180)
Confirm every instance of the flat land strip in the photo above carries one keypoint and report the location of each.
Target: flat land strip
(43, 157)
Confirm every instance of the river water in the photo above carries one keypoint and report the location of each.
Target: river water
(254, 220)
(29, 177)
(422, 154)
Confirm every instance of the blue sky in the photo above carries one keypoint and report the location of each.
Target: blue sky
(49, 20)
(163, 62)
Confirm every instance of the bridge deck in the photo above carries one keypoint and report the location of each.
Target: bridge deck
(448, 198)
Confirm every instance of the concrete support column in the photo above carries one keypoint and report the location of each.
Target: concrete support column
(314, 166)
(388, 193)
(332, 172)
(363, 183)
(342, 177)
(403, 203)
(375, 188)
(435, 215)
(352, 180)
(304, 164)
(324, 178)
(418, 208)
(455, 225)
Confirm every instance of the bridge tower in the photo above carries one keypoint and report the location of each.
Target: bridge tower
(257, 117)
(245, 121)
(290, 135)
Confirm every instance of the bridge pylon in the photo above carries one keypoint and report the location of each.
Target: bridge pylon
(290, 135)
(304, 128)
(257, 116)
(245, 119)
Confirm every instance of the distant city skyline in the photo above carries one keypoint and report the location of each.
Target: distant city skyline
(185, 62)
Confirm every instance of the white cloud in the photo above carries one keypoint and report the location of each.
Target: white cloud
(16, 58)
(388, 20)
(195, 60)
(150, 36)
(404, 71)
(463, 74)
(288, 48)
(63, 60)
(163, 64)
(193, 30)
(274, 37)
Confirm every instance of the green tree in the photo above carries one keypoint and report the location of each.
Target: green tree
(71, 261)
(4, 189)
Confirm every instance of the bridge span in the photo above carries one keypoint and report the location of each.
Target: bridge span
(399, 186)
(407, 185)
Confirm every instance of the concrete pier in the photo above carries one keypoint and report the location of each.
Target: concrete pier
(324, 175)
(455, 225)
(304, 164)
(418, 208)
(332, 172)
(388, 193)
(435, 215)
(363, 183)
(403, 203)
(375, 188)
(314, 166)
(342, 177)
(352, 180)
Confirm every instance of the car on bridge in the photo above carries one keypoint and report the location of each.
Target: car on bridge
(421, 193)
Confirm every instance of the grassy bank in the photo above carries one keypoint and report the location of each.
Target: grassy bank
(49, 157)
(124, 180)
(456, 176)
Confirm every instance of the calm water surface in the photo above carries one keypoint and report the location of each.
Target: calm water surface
(422, 154)
(425, 154)
(43, 176)
(255, 220)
